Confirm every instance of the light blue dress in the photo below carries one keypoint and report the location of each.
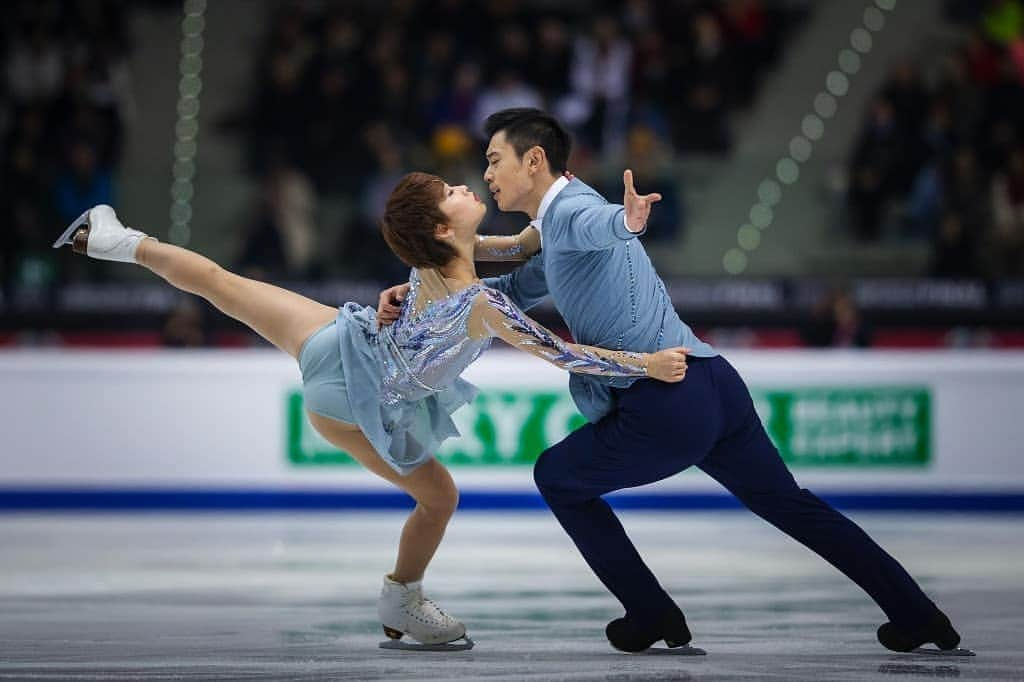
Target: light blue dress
(400, 384)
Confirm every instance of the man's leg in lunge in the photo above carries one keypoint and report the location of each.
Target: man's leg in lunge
(747, 463)
(655, 431)
(572, 475)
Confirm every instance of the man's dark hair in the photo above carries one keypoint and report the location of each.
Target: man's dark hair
(526, 127)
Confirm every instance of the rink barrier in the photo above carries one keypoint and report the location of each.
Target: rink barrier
(228, 430)
(164, 500)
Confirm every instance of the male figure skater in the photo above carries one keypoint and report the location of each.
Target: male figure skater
(606, 289)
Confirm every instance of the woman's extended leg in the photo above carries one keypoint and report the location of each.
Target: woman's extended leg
(282, 317)
(430, 485)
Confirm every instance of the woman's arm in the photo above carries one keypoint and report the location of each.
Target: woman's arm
(516, 247)
(495, 315)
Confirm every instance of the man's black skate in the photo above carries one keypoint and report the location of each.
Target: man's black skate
(938, 631)
(625, 634)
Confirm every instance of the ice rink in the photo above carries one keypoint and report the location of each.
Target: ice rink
(293, 597)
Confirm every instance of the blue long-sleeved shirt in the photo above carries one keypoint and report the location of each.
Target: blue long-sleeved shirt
(603, 284)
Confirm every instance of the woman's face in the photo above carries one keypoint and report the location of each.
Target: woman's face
(464, 210)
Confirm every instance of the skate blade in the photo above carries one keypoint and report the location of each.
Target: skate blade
(398, 645)
(930, 651)
(65, 237)
(672, 651)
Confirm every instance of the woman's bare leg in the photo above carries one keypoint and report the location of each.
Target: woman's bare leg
(430, 485)
(282, 317)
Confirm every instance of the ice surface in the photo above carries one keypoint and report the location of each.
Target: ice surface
(283, 597)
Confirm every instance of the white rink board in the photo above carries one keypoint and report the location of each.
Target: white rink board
(216, 419)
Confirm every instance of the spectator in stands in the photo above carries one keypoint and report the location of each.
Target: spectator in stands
(281, 243)
(262, 254)
(933, 148)
(184, 326)
(646, 156)
(332, 145)
(551, 60)
(963, 165)
(711, 60)
(35, 67)
(955, 252)
(433, 71)
(602, 63)
(63, 98)
(508, 90)
(961, 95)
(982, 59)
(83, 183)
(875, 169)
(1007, 243)
(467, 19)
(25, 191)
(363, 250)
(906, 93)
(24, 263)
(746, 25)
(705, 80)
(394, 107)
(341, 40)
(282, 111)
(512, 51)
(965, 190)
(457, 101)
(837, 323)
(653, 86)
(29, 159)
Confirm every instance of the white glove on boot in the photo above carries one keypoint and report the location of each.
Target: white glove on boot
(99, 234)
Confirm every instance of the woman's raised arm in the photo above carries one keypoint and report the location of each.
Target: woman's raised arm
(515, 247)
(495, 315)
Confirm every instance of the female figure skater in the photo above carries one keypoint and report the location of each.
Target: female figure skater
(385, 395)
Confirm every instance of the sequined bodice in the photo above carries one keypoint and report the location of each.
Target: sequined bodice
(429, 345)
(440, 332)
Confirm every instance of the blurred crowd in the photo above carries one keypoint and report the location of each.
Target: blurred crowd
(64, 99)
(350, 96)
(940, 159)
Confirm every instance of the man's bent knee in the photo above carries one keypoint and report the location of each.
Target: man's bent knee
(549, 474)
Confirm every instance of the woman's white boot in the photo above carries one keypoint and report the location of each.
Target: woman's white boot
(99, 234)
(403, 610)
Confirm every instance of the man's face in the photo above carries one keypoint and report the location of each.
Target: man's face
(506, 175)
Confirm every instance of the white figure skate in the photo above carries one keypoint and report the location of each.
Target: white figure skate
(99, 234)
(403, 610)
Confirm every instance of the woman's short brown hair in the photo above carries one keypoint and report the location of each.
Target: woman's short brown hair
(410, 219)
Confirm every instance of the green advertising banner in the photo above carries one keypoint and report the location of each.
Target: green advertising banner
(840, 426)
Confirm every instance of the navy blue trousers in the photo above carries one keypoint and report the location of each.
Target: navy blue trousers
(707, 420)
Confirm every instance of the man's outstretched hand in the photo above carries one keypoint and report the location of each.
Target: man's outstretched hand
(638, 207)
(390, 304)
